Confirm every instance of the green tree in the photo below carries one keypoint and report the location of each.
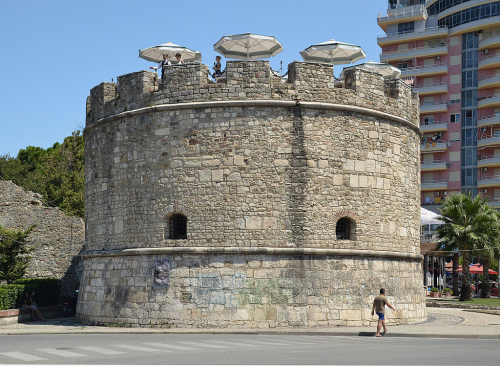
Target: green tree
(57, 173)
(469, 227)
(489, 252)
(14, 253)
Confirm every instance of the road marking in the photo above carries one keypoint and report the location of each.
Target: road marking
(61, 352)
(22, 356)
(101, 350)
(182, 348)
(139, 348)
(204, 345)
(235, 343)
(270, 343)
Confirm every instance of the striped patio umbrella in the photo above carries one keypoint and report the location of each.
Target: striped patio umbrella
(155, 53)
(248, 46)
(333, 52)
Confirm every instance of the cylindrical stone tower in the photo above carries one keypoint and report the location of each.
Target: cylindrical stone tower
(254, 202)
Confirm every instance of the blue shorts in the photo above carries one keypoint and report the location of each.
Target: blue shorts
(381, 316)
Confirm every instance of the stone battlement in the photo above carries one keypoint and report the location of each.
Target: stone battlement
(253, 80)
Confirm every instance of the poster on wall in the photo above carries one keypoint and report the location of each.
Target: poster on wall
(161, 273)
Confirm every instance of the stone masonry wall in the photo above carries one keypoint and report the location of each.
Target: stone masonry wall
(59, 238)
(257, 166)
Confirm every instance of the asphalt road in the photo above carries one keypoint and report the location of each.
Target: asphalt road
(206, 349)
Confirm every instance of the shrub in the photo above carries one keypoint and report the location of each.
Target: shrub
(434, 289)
(10, 296)
(47, 289)
(446, 290)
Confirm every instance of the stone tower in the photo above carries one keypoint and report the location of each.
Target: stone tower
(254, 202)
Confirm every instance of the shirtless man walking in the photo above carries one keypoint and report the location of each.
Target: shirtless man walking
(379, 308)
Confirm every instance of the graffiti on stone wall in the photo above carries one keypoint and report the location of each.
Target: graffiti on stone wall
(162, 273)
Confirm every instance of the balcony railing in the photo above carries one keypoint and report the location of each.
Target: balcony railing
(430, 85)
(489, 100)
(406, 11)
(424, 67)
(488, 157)
(433, 162)
(413, 49)
(416, 31)
(433, 123)
(493, 119)
(488, 141)
(489, 178)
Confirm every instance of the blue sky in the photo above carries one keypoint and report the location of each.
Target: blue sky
(53, 52)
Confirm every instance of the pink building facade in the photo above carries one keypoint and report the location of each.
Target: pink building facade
(449, 50)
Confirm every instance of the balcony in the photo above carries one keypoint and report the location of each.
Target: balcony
(434, 165)
(488, 161)
(436, 107)
(434, 185)
(417, 34)
(491, 81)
(433, 147)
(491, 141)
(401, 15)
(489, 62)
(492, 42)
(494, 202)
(414, 52)
(429, 89)
(435, 126)
(491, 181)
(489, 101)
(491, 120)
(438, 69)
(476, 25)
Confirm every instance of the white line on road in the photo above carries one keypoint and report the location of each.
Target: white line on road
(139, 348)
(22, 356)
(101, 350)
(61, 352)
(182, 348)
(196, 344)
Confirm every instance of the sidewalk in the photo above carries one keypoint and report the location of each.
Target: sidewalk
(441, 323)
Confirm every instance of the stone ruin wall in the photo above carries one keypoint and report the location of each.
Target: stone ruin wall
(262, 169)
(58, 238)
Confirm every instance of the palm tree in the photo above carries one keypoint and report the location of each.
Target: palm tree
(469, 222)
(489, 251)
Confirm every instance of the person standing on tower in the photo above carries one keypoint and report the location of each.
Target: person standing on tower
(163, 63)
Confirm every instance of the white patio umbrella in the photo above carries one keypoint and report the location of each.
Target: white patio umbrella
(248, 46)
(155, 53)
(428, 217)
(333, 52)
(387, 71)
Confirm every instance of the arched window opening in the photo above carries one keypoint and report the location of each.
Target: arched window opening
(177, 227)
(343, 229)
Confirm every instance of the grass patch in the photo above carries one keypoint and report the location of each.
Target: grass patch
(489, 302)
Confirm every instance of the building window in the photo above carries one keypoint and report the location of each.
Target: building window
(343, 229)
(455, 117)
(407, 27)
(177, 227)
(403, 66)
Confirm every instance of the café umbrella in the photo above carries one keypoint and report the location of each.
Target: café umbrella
(333, 52)
(478, 269)
(248, 46)
(387, 71)
(155, 53)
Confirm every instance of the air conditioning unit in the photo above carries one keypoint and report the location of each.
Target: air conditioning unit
(437, 194)
(484, 52)
(437, 58)
(445, 193)
(484, 169)
(484, 191)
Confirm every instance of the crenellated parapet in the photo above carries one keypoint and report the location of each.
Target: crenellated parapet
(252, 80)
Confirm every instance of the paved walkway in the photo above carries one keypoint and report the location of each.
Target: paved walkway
(441, 323)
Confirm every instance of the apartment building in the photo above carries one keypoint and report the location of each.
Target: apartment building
(449, 51)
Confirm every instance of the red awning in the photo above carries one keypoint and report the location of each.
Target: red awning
(477, 268)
